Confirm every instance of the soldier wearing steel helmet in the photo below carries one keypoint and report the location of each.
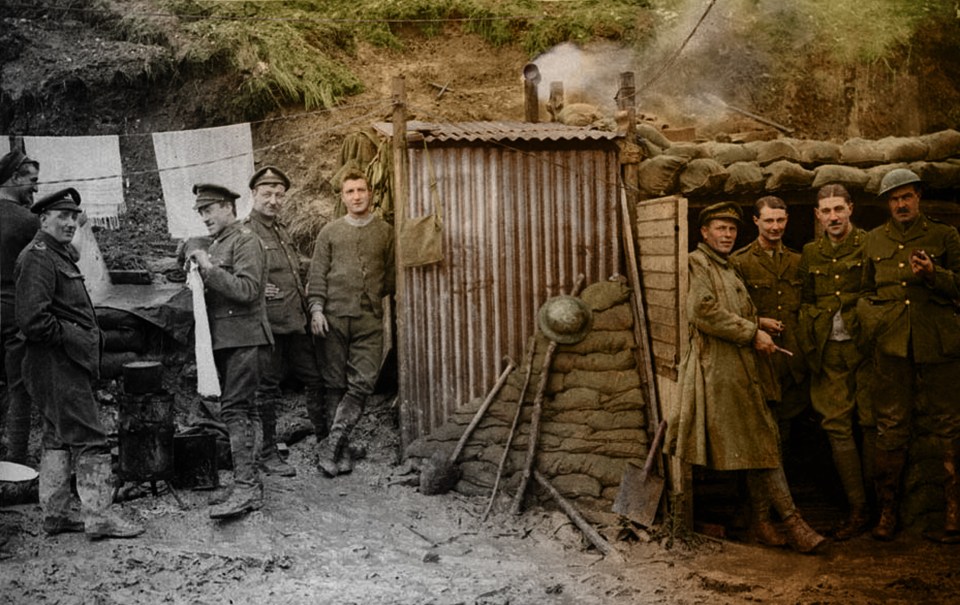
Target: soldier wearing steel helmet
(910, 317)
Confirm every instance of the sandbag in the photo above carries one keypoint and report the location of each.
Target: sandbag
(861, 152)
(776, 150)
(876, 174)
(702, 176)
(744, 177)
(787, 175)
(649, 148)
(729, 153)
(848, 176)
(685, 150)
(818, 152)
(659, 175)
(902, 149)
(653, 135)
(579, 114)
(938, 175)
(942, 145)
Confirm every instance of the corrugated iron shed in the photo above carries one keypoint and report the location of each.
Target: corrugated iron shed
(526, 208)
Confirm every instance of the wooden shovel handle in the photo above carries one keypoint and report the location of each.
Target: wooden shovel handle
(654, 447)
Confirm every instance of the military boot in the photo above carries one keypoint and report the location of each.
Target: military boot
(247, 493)
(889, 467)
(801, 536)
(847, 461)
(761, 530)
(950, 534)
(330, 450)
(54, 494)
(96, 496)
(270, 461)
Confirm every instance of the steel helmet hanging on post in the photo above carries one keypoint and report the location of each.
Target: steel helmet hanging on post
(898, 177)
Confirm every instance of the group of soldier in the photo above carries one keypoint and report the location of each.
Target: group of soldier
(865, 326)
(270, 312)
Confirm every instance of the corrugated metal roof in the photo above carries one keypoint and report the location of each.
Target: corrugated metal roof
(498, 131)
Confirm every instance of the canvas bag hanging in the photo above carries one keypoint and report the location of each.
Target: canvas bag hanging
(421, 238)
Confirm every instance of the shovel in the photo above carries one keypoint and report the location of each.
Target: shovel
(640, 490)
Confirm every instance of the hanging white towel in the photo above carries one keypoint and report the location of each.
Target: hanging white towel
(222, 156)
(96, 278)
(208, 385)
(91, 165)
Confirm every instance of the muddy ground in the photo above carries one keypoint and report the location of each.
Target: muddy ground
(371, 537)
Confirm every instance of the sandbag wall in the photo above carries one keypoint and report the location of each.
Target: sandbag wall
(717, 168)
(594, 414)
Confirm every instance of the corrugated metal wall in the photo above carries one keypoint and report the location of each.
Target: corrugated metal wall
(519, 226)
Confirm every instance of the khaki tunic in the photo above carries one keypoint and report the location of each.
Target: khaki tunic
(722, 420)
(902, 313)
(774, 287)
(287, 314)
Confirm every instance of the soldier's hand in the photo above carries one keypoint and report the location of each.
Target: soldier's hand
(921, 264)
(763, 342)
(272, 291)
(202, 259)
(318, 324)
(771, 326)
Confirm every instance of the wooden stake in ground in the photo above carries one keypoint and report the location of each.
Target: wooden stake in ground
(534, 436)
(531, 348)
(440, 474)
(592, 534)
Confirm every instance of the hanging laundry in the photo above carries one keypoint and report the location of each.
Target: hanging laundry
(89, 164)
(221, 156)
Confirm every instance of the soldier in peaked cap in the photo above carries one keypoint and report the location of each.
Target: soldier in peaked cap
(234, 275)
(18, 183)
(910, 315)
(61, 361)
(723, 421)
(293, 350)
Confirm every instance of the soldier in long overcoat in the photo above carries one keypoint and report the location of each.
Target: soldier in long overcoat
(722, 420)
(912, 316)
(62, 359)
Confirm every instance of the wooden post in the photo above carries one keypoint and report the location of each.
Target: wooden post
(409, 417)
(555, 104)
(531, 100)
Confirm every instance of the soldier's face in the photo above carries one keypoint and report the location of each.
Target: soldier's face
(833, 214)
(904, 203)
(771, 224)
(720, 234)
(356, 197)
(60, 224)
(217, 216)
(25, 185)
(268, 199)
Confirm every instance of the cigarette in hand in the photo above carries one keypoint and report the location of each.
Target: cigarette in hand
(784, 351)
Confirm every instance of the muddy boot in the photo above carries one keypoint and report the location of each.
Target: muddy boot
(328, 452)
(331, 449)
(801, 536)
(247, 493)
(331, 401)
(317, 411)
(54, 491)
(270, 461)
(847, 461)
(950, 534)
(96, 496)
(889, 466)
(761, 530)
(219, 496)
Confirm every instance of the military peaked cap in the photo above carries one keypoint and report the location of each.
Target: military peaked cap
(11, 162)
(65, 199)
(727, 210)
(269, 175)
(212, 194)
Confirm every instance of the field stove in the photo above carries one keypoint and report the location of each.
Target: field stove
(145, 428)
